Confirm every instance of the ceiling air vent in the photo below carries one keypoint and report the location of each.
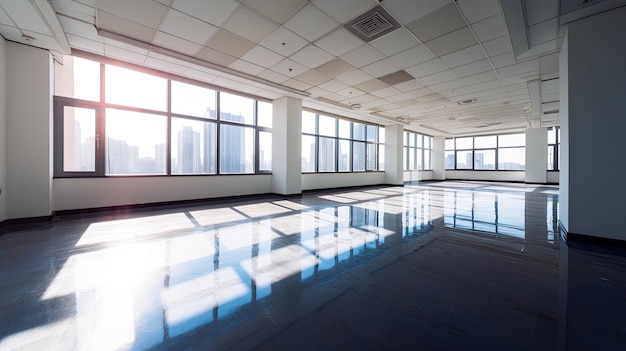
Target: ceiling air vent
(373, 24)
(465, 102)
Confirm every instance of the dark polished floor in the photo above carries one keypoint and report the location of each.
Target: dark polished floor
(429, 266)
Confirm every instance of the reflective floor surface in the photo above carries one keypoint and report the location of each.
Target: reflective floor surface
(428, 266)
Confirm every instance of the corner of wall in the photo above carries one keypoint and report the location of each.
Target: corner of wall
(3, 61)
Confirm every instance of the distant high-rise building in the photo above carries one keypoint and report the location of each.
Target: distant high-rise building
(232, 146)
(189, 151)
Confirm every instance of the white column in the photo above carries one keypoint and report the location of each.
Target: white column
(3, 119)
(593, 124)
(439, 158)
(29, 82)
(286, 145)
(394, 172)
(536, 155)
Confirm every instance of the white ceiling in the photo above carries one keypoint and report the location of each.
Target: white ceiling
(445, 52)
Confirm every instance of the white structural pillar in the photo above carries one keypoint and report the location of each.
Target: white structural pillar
(3, 135)
(286, 145)
(536, 155)
(394, 172)
(29, 82)
(438, 158)
(592, 88)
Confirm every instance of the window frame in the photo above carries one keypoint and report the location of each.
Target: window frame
(454, 151)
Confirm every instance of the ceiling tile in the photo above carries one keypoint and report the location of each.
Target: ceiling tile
(311, 23)
(503, 60)
(177, 44)
(409, 85)
(333, 85)
(144, 12)
(317, 92)
(296, 84)
(408, 11)
(311, 56)
(273, 76)
(339, 42)
(313, 77)
(76, 27)
(75, 10)
(354, 77)
(278, 10)
(80, 43)
(289, 68)
(438, 23)
(439, 77)
(497, 46)
(189, 28)
(262, 56)
(163, 65)
(246, 67)
(549, 63)
(475, 11)
(520, 69)
(249, 25)
(213, 12)
(473, 68)
(394, 42)
(284, 42)
(538, 11)
(335, 67)
(214, 56)
(412, 56)
(371, 85)
(380, 68)
(229, 43)
(362, 56)
(396, 77)
(386, 92)
(427, 68)
(123, 54)
(464, 56)
(344, 10)
(125, 27)
(480, 78)
(490, 28)
(451, 42)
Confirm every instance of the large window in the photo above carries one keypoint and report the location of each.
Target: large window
(554, 149)
(417, 151)
(332, 144)
(112, 121)
(504, 152)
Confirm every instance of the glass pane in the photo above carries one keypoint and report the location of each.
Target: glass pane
(236, 108)
(405, 138)
(485, 142)
(372, 133)
(464, 143)
(371, 157)
(419, 139)
(131, 88)
(308, 153)
(358, 131)
(381, 135)
(485, 159)
(427, 164)
(449, 144)
(79, 139)
(428, 142)
(192, 100)
(308, 122)
(135, 143)
(512, 140)
(464, 159)
(327, 126)
(78, 78)
(381, 157)
(344, 129)
(449, 159)
(512, 158)
(358, 156)
(236, 149)
(412, 139)
(551, 136)
(551, 158)
(419, 161)
(265, 114)
(412, 159)
(265, 151)
(326, 162)
(194, 147)
(344, 155)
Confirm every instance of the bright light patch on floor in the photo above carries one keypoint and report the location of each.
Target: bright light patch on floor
(217, 216)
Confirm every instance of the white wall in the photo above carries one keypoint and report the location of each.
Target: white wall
(336, 180)
(286, 146)
(438, 158)
(413, 176)
(552, 177)
(3, 212)
(596, 89)
(29, 81)
(564, 126)
(79, 193)
(536, 155)
(503, 176)
(393, 155)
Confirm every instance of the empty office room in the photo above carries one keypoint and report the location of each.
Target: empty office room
(312, 175)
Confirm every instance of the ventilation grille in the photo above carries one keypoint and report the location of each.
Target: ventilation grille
(465, 102)
(373, 24)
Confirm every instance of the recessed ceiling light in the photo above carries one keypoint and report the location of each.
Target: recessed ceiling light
(27, 37)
